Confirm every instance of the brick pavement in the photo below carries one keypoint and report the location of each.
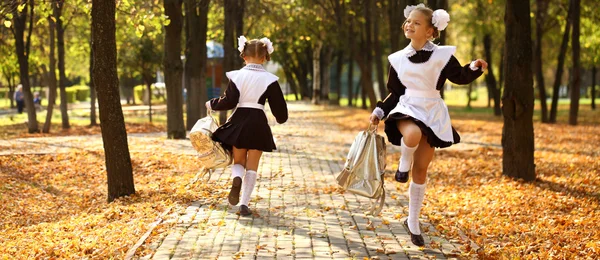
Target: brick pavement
(300, 213)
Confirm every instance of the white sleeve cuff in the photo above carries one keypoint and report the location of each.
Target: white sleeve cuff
(473, 67)
(378, 112)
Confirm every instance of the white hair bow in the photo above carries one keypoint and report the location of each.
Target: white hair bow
(268, 43)
(440, 19)
(409, 9)
(241, 43)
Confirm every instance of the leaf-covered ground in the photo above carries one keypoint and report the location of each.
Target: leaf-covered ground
(468, 199)
(20, 130)
(50, 209)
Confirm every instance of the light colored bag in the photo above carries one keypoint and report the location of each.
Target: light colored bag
(364, 168)
(212, 155)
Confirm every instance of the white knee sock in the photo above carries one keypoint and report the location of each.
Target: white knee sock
(406, 156)
(248, 186)
(237, 170)
(416, 196)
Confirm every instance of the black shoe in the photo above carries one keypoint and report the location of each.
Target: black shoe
(417, 240)
(401, 176)
(245, 211)
(234, 193)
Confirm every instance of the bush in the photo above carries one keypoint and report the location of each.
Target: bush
(3, 94)
(71, 95)
(82, 92)
(138, 93)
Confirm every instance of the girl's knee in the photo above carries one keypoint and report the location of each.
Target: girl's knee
(419, 175)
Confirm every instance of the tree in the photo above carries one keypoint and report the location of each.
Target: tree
(195, 64)
(517, 133)
(317, 72)
(576, 86)
(93, 95)
(229, 49)
(541, 12)
(51, 76)
(379, 53)
(489, 78)
(593, 96)
(559, 67)
(62, 76)
(174, 69)
(114, 135)
(19, 12)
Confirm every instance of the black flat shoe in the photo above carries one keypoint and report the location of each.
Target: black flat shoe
(245, 211)
(234, 193)
(417, 240)
(401, 176)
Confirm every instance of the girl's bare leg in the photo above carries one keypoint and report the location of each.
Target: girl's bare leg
(411, 135)
(416, 190)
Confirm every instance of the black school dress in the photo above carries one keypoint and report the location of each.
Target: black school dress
(248, 90)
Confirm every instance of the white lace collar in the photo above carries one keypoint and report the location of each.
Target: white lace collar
(410, 51)
(254, 66)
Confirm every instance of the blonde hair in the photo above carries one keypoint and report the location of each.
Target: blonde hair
(255, 48)
(429, 14)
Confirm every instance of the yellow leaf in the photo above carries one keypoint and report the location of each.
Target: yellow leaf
(7, 24)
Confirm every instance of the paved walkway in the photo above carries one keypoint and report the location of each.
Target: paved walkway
(300, 211)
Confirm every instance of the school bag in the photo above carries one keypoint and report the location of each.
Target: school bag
(211, 155)
(364, 168)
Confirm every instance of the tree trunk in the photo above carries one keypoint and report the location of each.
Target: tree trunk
(51, 78)
(326, 73)
(490, 78)
(10, 78)
(292, 82)
(517, 133)
(114, 135)
(23, 47)
(395, 20)
(501, 76)
(93, 95)
(542, 9)
(62, 76)
(195, 66)
(378, 59)
(174, 69)
(239, 30)
(576, 57)
(316, 61)
(363, 93)
(470, 89)
(365, 59)
(338, 76)
(149, 89)
(593, 87)
(229, 47)
(559, 66)
(350, 80)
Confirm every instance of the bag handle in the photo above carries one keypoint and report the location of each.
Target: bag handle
(374, 130)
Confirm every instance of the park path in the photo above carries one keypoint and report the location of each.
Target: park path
(300, 212)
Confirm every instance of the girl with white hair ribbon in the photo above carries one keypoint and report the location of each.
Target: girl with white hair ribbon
(247, 132)
(416, 117)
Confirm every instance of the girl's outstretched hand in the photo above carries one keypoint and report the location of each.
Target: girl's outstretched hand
(481, 63)
(374, 119)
